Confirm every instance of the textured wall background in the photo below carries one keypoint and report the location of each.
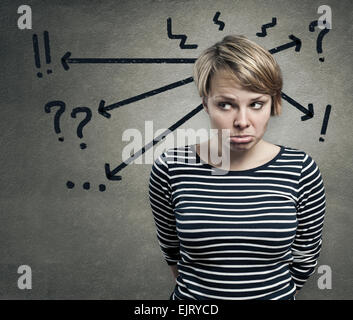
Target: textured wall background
(92, 244)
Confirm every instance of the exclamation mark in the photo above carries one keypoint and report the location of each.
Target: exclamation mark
(36, 54)
(324, 124)
(47, 50)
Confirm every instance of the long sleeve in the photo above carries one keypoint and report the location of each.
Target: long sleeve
(162, 209)
(310, 215)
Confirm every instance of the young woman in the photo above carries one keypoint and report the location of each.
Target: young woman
(254, 229)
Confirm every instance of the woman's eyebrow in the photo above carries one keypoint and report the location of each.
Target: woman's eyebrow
(234, 99)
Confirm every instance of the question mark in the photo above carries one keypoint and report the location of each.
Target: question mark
(58, 114)
(312, 26)
(325, 27)
(83, 122)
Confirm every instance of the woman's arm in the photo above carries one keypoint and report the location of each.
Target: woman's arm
(163, 210)
(310, 214)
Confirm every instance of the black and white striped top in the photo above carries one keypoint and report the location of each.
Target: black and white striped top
(249, 234)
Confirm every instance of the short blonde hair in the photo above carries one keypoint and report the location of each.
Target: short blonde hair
(250, 65)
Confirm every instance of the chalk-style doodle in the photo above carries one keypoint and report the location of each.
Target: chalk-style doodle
(70, 184)
(321, 35)
(308, 113)
(325, 122)
(312, 25)
(62, 107)
(296, 42)
(219, 22)
(37, 54)
(111, 174)
(86, 186)
(319, 42)
(66, 60)
(182, 37)
(102, 109)
(47, 50)
(88, 117)
(263, 32)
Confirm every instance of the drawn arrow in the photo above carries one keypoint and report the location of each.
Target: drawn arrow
(111, 174)
(66, 58)
(309, 113)
(294, 43)
(102, 109)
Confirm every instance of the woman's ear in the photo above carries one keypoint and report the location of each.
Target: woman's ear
(204, 103)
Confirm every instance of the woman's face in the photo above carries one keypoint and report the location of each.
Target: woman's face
(242, 112)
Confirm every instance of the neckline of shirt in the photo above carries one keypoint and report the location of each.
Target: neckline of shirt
(234, 172)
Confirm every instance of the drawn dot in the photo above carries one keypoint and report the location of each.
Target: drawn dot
(61, 139)
(49, 71)
(322, 59)
(70, 184)
(321, 139)
(101, 187)
(86, 185)
(39, 75)
(83, 146)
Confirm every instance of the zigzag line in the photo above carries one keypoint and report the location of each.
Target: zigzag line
(266, 26)
(183, 37)
(216, 21)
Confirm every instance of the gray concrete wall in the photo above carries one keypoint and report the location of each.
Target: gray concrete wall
(101, 244)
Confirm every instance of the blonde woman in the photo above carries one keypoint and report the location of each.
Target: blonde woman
(254, 229)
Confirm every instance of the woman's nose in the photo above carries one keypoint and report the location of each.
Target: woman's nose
(241, 119)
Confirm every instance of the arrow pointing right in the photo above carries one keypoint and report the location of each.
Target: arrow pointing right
(308, 113)
(294, 43)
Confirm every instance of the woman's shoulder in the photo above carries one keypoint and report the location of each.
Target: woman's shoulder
(303, 156)
(299, 152)
(173, 154)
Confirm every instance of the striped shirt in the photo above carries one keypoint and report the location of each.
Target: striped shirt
(248, 234)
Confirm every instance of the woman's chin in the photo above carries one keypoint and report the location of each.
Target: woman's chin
(239, 146)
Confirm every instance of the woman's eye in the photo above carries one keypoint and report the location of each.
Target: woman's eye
(225, 105)
(259, 105)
